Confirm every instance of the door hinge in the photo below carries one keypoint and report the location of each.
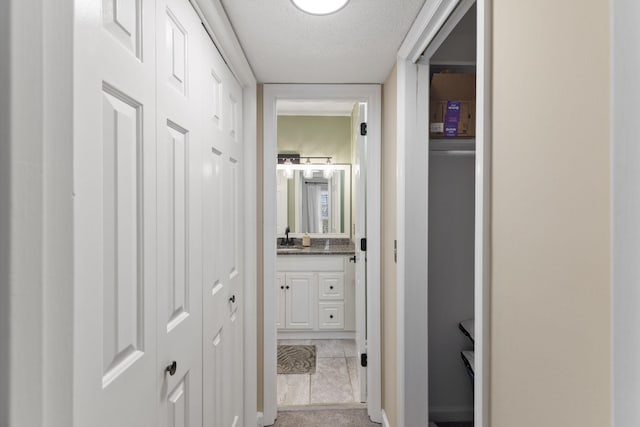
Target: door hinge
(363, 360)
(363, 128)
(395, 251)
(363, 244)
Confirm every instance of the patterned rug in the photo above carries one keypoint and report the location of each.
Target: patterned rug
(296, 359)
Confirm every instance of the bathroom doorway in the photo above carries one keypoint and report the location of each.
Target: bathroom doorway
(321, 267)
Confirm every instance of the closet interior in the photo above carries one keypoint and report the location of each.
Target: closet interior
(451, 225)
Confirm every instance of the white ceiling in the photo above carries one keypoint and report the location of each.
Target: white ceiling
(358, 44)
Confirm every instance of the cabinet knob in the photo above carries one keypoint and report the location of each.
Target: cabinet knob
(282, 287)
(331, 316)
(287, 286)
(171, 368)
(233, 298)
(330, 287)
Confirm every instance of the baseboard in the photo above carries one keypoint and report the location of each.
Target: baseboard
(260, 422)
(316, 335)
(451, 413)
(385, 419)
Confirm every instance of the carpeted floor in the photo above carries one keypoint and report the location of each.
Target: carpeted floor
(325, 418)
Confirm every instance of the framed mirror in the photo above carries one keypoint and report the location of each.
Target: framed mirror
(317, 204)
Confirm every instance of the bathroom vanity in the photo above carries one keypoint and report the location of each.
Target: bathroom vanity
(316, 290)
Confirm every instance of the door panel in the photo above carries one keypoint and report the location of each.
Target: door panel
(180, 77)
(360, 179)
(222, 245)
(299, 301)
(114, 221)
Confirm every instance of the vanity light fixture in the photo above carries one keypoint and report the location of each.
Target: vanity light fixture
(320, 7)
(328, 172)
(288, 172)
(308, 171)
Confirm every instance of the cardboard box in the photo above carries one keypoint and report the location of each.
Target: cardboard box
(452, 106)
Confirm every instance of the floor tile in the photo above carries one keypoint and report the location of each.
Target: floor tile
(350, 349)
(329, 348)
(331, 382)
(293, 389)
(354, 370)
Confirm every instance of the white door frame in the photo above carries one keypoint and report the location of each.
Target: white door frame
(371, 94)
(37, 138)
(412, 208)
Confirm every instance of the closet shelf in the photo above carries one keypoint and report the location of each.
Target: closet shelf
(468, 357)
(468, 328)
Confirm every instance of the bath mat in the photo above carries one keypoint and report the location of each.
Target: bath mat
(296, 359)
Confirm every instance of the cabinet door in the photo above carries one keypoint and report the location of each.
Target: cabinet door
(280, 292)
(299, 301)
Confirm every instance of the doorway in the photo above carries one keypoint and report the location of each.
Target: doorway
(430, 32)
(320, 302)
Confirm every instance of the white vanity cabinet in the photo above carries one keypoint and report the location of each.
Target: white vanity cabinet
(315, 293)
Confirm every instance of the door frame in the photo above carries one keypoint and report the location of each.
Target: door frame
(37, 137)
(371, 94)
(412, 203)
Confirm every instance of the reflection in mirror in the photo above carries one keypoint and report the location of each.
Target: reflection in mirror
(316, 205)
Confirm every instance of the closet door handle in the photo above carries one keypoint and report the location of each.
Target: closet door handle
(171, 368)
(233, 298)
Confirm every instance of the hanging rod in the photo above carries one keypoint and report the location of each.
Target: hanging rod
(452, 152)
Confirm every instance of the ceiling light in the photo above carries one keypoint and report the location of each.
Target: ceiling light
(320, 7)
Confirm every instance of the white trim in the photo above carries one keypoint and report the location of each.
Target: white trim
(385, 419)
(36, 139)
(260, 419)
(219, 28)
(431, 19)
(371, 94)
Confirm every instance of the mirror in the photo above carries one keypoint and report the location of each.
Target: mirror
(316, 205)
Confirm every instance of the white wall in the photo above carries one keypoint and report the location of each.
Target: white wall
(451, 284)
(626, 213)
(550, 214)
(5, 211)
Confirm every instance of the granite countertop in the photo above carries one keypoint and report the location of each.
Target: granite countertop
(318, 247)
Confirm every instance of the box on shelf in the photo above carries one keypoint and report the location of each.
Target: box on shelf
(452, 105)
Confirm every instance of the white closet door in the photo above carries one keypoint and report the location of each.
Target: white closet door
(114, 214)
(180, 80)
(223, 244)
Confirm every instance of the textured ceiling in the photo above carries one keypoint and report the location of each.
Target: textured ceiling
(356, 45)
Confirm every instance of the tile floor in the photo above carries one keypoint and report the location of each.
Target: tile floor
(335, 381)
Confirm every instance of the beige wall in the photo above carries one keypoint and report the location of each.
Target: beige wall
(388, 286)
(316, 136)
(550, 353)
(259, 244)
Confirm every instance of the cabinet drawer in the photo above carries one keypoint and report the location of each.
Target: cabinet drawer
(331, 315)
(331, 286)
